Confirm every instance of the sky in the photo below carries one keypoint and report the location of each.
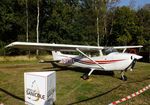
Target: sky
(138, 3)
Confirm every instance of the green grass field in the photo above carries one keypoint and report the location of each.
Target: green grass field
(71, 89)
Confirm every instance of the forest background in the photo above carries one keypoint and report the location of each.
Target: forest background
(85, 22)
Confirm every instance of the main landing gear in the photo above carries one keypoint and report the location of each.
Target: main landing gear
(123, 77)
(86, 75)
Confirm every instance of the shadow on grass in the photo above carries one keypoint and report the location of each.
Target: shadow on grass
(99, 95)
(12, 95)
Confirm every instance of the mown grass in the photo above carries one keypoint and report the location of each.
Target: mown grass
(23, 59)
(72, 90)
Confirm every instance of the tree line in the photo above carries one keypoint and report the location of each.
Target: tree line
(87, 22)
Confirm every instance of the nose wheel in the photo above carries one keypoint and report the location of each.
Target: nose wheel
(123, 77)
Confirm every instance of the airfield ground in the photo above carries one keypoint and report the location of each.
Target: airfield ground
(71, 89)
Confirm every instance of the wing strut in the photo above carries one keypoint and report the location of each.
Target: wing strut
(124, 50)
(89, 58)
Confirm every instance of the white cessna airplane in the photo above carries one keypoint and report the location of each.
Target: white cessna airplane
(113, 61)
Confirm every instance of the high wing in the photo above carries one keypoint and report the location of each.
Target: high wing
(51, 47)
(62, 47)
(126, 47)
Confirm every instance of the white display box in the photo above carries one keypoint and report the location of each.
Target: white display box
(40, 88)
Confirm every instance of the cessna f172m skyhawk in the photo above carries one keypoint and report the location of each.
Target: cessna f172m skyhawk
(113, 61)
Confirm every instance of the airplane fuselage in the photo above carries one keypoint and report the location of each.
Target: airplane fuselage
(110, 62)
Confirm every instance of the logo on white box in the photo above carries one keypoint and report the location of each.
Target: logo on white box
(33, 93)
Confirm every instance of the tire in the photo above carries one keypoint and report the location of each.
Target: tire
(85, 76)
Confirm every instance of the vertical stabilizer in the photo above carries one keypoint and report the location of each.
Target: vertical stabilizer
(57, 55)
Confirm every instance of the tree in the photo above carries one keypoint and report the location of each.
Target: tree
(88, 22)
(125, 26)
(27, 22)
(144, 24)
(37, 27)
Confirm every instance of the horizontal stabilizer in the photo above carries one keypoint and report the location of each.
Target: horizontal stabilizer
(43, 61)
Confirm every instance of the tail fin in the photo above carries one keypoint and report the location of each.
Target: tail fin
(57, 55)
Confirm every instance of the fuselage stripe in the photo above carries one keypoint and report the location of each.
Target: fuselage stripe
(100, 61)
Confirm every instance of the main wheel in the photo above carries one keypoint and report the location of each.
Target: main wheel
(124, 78)
(85, 76)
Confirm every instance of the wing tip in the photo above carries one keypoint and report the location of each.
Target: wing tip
(7, 46)
(11, 44)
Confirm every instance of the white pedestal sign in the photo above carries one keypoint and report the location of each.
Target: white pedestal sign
(40, 88)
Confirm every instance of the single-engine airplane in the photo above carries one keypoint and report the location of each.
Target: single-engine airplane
(112, 61)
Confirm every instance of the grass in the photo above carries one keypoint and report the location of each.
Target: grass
(23, 59)
(71, 89)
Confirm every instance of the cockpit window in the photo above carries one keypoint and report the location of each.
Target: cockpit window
(107, 51)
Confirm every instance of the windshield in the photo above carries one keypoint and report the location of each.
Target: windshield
(107, 51)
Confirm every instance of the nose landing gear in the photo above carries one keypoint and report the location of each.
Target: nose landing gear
(123, 77)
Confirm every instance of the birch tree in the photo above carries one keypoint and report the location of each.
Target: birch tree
(37, 27)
